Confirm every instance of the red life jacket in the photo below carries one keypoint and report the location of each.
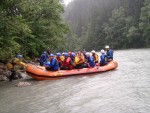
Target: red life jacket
(68, 63)
(58, 59)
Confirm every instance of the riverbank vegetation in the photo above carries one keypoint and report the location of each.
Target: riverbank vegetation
(121, 24)
(30, 26)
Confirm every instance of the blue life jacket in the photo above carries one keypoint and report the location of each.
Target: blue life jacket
(104, 59)
(43, 58)
(110, 54)
(91, 62)
(85, 56)
(72, 58)
(54, 64)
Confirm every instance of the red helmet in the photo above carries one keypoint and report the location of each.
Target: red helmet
(69, 53)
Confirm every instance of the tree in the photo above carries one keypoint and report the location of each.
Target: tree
(117, 28)
(97, 13)
(31, 26)
(145, 22)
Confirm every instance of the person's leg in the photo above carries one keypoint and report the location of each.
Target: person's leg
(79, 66)
(85, 65)
(101, 64)
(48, 68)
(63, 68)
(41, 63)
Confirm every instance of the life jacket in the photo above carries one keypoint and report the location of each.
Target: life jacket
(90, 61)
(95, 58)
(68, 63)
(62, 58)
(110, 54)
(54, 63)
(9, 66)
(81, 59)
(43, 58)
(76, 60)
(58, 59)
(85, 57)
(104, 59)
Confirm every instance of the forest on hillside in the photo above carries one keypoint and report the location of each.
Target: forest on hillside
(121, 24)
(30, 26)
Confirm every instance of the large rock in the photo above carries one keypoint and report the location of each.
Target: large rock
(3, 78)
(2, 66)
(1, 71)
(7, 73)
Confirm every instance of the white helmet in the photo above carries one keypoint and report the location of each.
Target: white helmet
(87, 53)
(107, 47)
(93, 51)
(102, 51)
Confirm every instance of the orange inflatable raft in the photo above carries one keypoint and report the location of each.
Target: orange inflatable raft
(40, 73)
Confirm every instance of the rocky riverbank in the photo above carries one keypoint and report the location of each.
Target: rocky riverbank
(5, 73)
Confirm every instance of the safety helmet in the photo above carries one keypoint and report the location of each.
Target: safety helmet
(87, 53)
(19, 56)
(58, 54)
(66, 54)
(102, 51)
(93, 51)
(44, 52)
(51, 55)
(107, 47)
(73, 54)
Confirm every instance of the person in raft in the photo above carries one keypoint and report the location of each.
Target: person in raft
(109, 53)
(103, 58)
(59, 58)
(68, 63)
(95, 56)
(48, 51)
(43, 58)
(79, 61)
(53, 65)
(90, 60)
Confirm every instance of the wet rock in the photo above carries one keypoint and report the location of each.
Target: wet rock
(1, 66)
(1, 71)
(7, 73)
(3, 78)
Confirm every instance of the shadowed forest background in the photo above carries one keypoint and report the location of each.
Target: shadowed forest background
(30, 26)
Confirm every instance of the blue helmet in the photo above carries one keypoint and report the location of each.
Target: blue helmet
(19, 56)
(44, 52)
(66, 54)
(51, 55)
(73, 54)
(58, 54)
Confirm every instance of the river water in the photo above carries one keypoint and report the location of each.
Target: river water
(124, 90)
